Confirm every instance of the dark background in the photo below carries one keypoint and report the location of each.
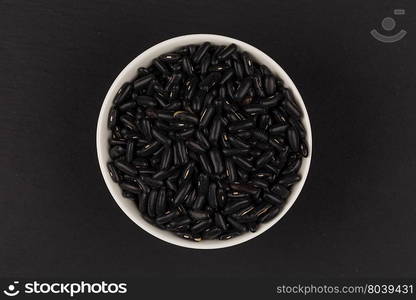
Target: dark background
(355, 217)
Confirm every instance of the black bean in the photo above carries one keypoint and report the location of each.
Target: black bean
(289, 179)
(264, 159)
(205, 63)
(128, 122)
(161, 67)
(258, 86)
(293, 138)
(171, 185)
(199, 202)
(187, 67)
(167, 217)
(149, 149)
(113, 172)
(216, 160)
(202, 140)
(127, 106)
(205, 163)
(261, 209)
(281, 191)
(244, 212)
(203, 182)
(117, 151)
(188, 171)
(241, 125)
(273, 199)
(186, 133)
(145, 188)
(166, 160)
(212, 196)
(191, 86)
(260, 135)
(201, 225)
(152, 182)
(260, 183)
(215, 130)
(226, 76)
(247, 63)
(215, 52)
(125, 167)
(243, 88)
(112, 118)
(229, 235)
(161, 175)
(238, 143)
(180, 221)
(271, 214)
(304, 149)
(231, 152)
(130, 151)
(230, 170)
(161, 202)
(227, 51)
(252, 227)
(143, 81)
(195, 147)
(221, 197)
(254, 109)
(270, 85)
(238, 69)
(123, 93)
(170, 57)
(277, 130)
(180, 195)
(197, 101)
(218, 68)
(182, 152)
(145, 127)
(210, 80)
(114, 142)
(151, 203)
(207, 115)
(158, 136)
(291, 109)
(236, 206)
(190, 198)
(142, 205)
(211, 233)
(293, 167)
(242, 163)
(277, 144)
(219, 221)
(244, 188)
(186, 117)
(236, 225)
(200, 52)
(199, 215)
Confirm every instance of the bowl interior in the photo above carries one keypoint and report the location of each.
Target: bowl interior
(103, 134)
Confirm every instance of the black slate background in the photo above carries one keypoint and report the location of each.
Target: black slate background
(355, 217)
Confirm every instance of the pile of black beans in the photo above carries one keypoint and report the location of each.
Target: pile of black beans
(206, 141)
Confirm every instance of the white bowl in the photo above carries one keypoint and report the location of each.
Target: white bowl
(103, 134)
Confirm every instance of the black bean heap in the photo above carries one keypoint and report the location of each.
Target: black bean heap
(206, 141)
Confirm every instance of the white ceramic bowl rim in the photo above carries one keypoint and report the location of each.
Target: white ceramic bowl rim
(129, 72)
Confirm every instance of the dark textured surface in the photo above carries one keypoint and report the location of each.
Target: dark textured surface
(355, 217)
